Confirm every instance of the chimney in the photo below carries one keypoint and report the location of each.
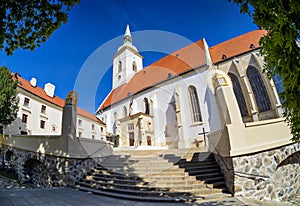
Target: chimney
(33, 82)
(49, 89)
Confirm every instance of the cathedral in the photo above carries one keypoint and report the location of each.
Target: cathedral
(191, 95)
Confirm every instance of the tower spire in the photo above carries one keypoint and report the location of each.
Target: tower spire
(127, 36)
(127, 39)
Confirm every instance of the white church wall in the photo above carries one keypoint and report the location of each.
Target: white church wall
(165, 121)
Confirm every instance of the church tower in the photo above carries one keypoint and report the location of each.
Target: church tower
(126, 62)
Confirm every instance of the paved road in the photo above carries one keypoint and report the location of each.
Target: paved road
(14, 194)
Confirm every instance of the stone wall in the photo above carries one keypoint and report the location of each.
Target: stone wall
(267, 175)
(43, 170)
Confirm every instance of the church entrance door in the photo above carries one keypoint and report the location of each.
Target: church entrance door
(148, 140)
(131, 139)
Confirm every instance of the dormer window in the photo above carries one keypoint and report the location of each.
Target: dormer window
(120, 66)
(134, 67)
(251, 46)
(224, 56)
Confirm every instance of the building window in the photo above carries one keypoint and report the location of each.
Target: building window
(93, 136)
(101, 129)
(93, 127)
(54, 128)
(124, 111)
(80, 134)
(146, 106)
(130, 127)
(258, 87)
(24, 118)
(115, 123)
(43, 109)
(42, 124)
(194, 101)
(24, 133)
(120, 66)
(80, 123)
(134, 67)
(239, 94)
(26, 102)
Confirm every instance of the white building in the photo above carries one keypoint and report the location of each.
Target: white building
(172, 102)
(40, 113)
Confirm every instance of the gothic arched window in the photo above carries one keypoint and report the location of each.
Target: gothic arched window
(115, 123)
(177, 101)
(146, 106)
(134, 67)
(125, 111)
(120, 66)
(259, 89)
(239, 94)
(196, 113)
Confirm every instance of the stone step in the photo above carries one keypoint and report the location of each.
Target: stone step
(168, 179)
(171, 172)
(207, 175)
(135, 153)
(135, 197)
(150, 182)
(204, 168)
(117, 180)
(193, 188)
(115, 176)
(195, 168)
(139, 186)
(199, 171)
(210, 180)
(197, 164)
(144, 163)
(133, 160)
(212, 197)
(130, 191)
(157, 174)
(139, 165)
(140, 171)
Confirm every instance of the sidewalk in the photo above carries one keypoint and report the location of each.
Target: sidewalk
(12, 194)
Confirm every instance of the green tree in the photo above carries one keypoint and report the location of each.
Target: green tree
(25, 24)
(8, 97)
(281, 49)
(8, 101)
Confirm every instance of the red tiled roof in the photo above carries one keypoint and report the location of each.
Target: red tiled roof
(180, 61)
(236, 46)
(39, 92)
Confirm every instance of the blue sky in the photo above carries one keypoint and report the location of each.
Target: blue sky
(96, 22)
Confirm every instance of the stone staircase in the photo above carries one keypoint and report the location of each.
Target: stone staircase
(164, 176)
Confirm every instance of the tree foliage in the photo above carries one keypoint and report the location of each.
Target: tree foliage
(281, 49)
(25, 24)
(8, 97)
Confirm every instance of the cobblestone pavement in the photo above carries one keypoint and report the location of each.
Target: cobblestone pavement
(13, 193)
